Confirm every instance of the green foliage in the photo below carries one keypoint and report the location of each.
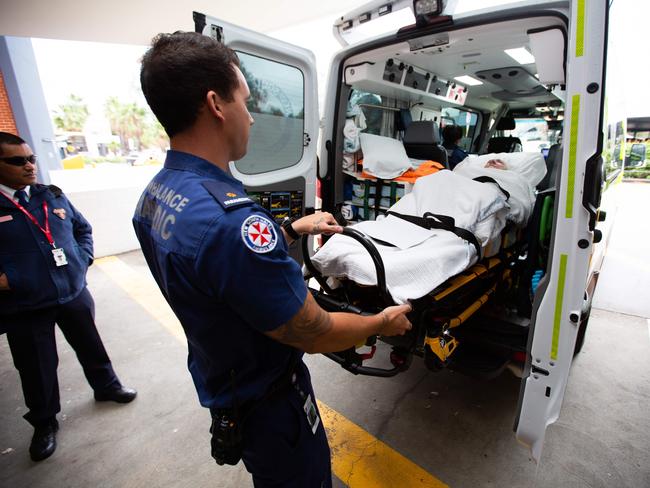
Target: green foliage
(72, 115)
(642, 173)
(132, 122)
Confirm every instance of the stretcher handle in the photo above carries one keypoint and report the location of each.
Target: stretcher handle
(374, 255)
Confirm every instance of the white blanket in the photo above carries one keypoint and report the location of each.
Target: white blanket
(421, 259)
(524, 171)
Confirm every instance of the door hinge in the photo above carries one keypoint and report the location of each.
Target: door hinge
(306, 140)
(216, 32)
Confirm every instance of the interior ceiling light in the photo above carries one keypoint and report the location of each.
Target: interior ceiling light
(521, 55)
(468, 80)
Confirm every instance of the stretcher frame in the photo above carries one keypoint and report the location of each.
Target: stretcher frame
(434, 316)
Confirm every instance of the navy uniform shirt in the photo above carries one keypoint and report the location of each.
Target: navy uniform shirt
(223, 265)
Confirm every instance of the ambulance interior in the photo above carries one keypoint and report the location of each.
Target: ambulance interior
(475, 317)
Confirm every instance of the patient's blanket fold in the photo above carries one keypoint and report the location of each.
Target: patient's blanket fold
(524, 171)
(417, 260)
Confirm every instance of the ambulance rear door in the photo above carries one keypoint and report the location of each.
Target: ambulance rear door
(559, 299)
(279, 169)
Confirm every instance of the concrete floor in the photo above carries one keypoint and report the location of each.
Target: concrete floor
(456, 428)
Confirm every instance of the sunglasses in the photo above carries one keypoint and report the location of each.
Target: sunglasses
(20, 160)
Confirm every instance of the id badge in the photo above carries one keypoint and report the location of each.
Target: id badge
(312, 415)
(59, 257)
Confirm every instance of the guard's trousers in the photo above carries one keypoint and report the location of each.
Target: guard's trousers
(33, 347)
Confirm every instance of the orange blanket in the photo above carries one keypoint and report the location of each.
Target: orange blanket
(426, 168)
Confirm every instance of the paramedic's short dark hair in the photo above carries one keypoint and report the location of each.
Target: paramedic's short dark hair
(178, 71)
(451, 133)
(10, 139)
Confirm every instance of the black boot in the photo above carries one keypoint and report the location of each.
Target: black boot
(44, 441)
(119, 395)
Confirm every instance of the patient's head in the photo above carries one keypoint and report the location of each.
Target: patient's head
(496, 164)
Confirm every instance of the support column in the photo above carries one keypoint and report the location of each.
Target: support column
(25, 93)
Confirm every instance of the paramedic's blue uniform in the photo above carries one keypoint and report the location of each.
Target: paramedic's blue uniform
(222, 264)
(43, 294)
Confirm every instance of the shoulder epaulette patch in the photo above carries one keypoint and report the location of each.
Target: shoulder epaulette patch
(56, 191)
(227, 196)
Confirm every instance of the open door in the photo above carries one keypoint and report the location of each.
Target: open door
(560, 298)
(279, 170)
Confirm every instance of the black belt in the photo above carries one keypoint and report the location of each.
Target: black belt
(489, 179)
(443, 222)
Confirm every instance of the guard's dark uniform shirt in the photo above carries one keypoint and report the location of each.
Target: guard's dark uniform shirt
(222, 264)
(26, 256)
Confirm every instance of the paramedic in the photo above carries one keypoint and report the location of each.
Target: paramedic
(451, 134)
(46, 247)
(222, 263)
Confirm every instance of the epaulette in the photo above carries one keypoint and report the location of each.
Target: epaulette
(56, 191)
(227, 196)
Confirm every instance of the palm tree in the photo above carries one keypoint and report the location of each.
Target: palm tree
(72, 115)
(127, 120)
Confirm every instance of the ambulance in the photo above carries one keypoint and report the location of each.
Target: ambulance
(519, 78)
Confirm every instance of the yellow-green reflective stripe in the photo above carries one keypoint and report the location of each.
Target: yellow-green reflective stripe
(559, 299)
(573, 153)
(580, 31)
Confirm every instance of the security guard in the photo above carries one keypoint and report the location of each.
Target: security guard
(223, 265)
(46, 247)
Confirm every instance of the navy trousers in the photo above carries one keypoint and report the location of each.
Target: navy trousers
(280, 449)
(33, 348)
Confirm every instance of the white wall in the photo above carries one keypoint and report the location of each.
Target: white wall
(107, 197)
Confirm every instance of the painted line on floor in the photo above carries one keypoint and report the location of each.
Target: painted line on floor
(358, 459)
(143, 289)
(361, 460)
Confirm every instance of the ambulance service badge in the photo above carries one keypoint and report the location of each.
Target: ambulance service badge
(258, 234)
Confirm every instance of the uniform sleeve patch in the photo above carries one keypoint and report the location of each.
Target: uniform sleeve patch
(259, 235)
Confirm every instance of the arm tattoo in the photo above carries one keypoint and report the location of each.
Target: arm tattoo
(316, 224)
(306, 326)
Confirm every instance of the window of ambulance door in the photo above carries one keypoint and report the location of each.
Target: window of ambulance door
(468, 121)
(535, 134)
(278, 107)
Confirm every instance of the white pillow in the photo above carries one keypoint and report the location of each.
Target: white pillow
(383, 157)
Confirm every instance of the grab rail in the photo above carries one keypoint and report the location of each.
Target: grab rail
(374, 255)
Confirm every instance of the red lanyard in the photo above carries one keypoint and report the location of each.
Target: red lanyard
(46, 230)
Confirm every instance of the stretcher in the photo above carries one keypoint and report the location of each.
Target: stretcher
(439, 315)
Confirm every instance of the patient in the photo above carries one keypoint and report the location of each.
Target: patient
(496, 164)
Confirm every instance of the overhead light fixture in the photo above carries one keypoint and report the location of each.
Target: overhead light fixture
(385, 9)
(521, 55)
(427, 7)
(363, 18)
(468, 80)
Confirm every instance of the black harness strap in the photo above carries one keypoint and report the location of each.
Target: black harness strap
(443, 222)
(489, 179)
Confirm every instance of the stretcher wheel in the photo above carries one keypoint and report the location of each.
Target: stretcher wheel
(433, 362)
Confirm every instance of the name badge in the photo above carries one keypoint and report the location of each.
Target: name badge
(59, 257)
(312, 415)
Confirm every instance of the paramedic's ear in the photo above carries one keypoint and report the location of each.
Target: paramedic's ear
(215, 105)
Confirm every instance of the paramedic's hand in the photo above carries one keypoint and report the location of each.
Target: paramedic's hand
(4, 283)
(318, 223)
(395, 321)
